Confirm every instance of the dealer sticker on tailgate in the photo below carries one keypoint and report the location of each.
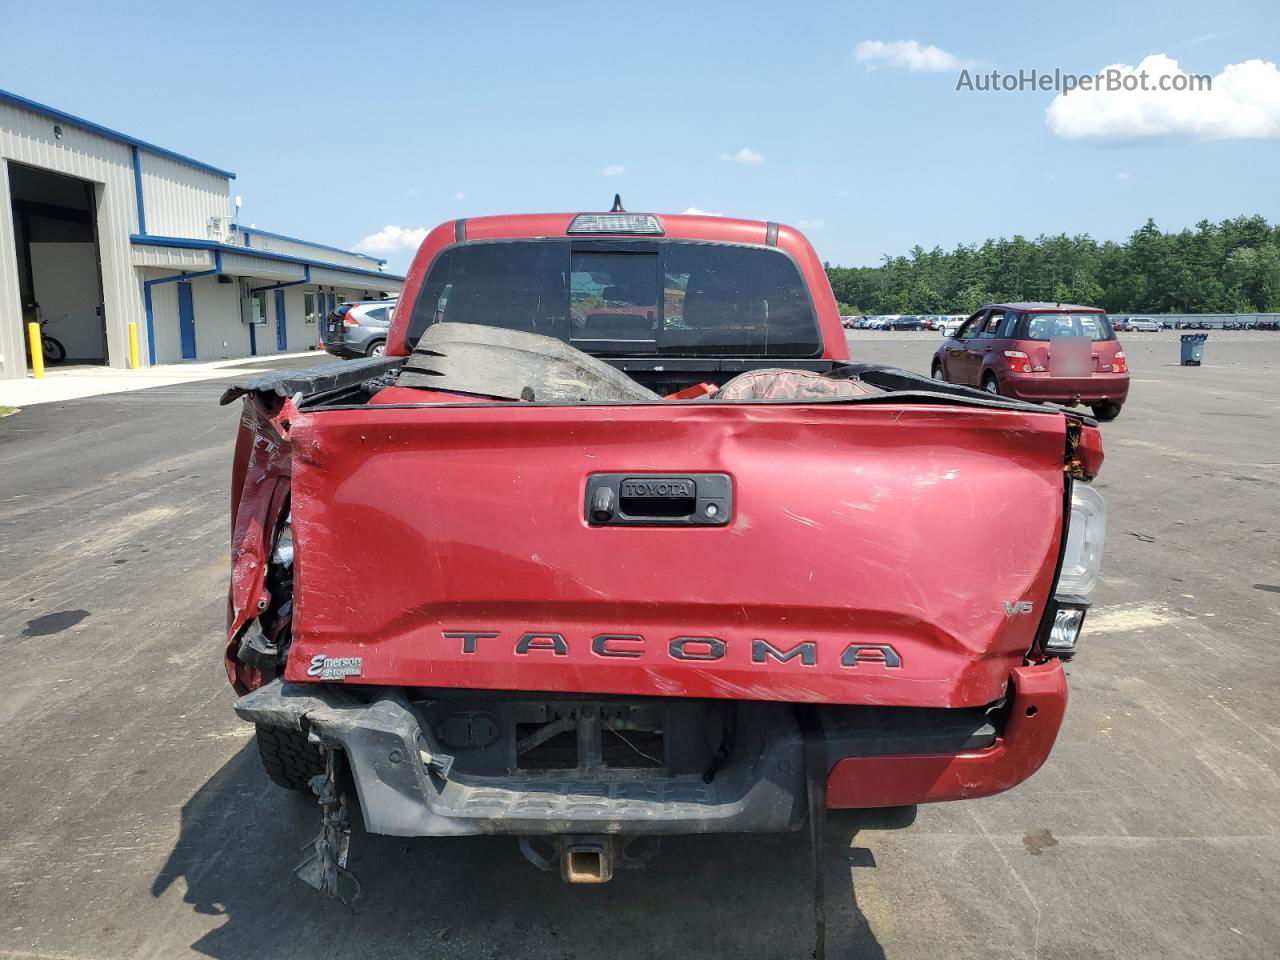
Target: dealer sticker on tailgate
(335, 668)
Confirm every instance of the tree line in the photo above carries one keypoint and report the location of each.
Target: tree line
(1232, 266)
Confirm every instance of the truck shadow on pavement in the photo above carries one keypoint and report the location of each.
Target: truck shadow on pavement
(710, 896)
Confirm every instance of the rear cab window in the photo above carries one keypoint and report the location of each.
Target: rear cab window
(627, 297)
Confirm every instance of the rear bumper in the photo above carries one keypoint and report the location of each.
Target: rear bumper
(409, 787)
(876, 756)
(350, 341)
(340, 348)
(1042, 388)
(1035, 716)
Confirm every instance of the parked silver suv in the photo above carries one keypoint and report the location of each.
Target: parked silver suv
(1142, 325)
(358, 328)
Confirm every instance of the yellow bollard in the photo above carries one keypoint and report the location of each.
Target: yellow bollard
(133, 345)
(37, 350)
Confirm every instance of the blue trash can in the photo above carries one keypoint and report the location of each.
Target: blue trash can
(1193, 348)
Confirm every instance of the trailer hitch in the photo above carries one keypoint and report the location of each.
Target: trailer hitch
(588, 858)
(326, 868)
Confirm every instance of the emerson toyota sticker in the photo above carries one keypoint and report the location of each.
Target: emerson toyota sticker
(334, 668)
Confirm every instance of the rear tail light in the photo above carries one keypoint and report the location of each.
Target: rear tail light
(1086, 536)
(1081, 561)
(282, 552)
(1018, 361)
(350, 319)
(1088, 453)
(1118, 363)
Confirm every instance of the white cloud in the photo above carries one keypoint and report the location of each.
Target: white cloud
(745, 155)
(392, 239)
(811, 224)
(459, 195)
(614, 170)
(1122, 176)
(702, 213)
(1242, 103)
(907, 54)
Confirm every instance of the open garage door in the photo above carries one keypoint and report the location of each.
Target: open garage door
(59, 267)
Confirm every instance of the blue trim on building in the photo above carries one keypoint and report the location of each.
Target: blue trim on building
(286, 283)
(25, 104)
(318, 246)
(137, 189)
(186, 243)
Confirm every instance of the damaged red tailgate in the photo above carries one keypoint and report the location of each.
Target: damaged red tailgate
(872, 554)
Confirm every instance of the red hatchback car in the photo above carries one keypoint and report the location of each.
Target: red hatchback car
(1055, 352)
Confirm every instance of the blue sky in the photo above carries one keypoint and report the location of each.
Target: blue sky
(341, 119)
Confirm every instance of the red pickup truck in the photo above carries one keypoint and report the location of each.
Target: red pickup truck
(616, 541)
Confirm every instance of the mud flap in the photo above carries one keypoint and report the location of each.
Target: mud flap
(326, 868)
(816, 769)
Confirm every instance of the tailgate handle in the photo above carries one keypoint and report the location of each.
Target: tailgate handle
(659, 500)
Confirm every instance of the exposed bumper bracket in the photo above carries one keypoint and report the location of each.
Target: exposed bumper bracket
(326, 868)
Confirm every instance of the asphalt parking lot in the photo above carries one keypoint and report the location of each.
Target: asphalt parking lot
(136, 822)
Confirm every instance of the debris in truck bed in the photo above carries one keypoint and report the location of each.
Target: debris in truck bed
(513, 365)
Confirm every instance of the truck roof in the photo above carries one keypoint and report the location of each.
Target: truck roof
(678, 225)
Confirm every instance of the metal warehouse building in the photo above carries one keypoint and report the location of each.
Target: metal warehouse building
(99, 229)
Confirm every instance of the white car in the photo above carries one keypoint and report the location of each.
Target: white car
(950, 325)
(1142, 325)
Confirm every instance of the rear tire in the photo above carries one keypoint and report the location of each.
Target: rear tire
(1106, 411)
(991, 385)
(376, 349)
(290, 761)
(936, 372)
(53, 350)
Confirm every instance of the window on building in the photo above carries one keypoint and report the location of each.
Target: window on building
(309, 307)
(258, 304)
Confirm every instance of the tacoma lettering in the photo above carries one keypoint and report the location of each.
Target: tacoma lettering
(631, 646)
